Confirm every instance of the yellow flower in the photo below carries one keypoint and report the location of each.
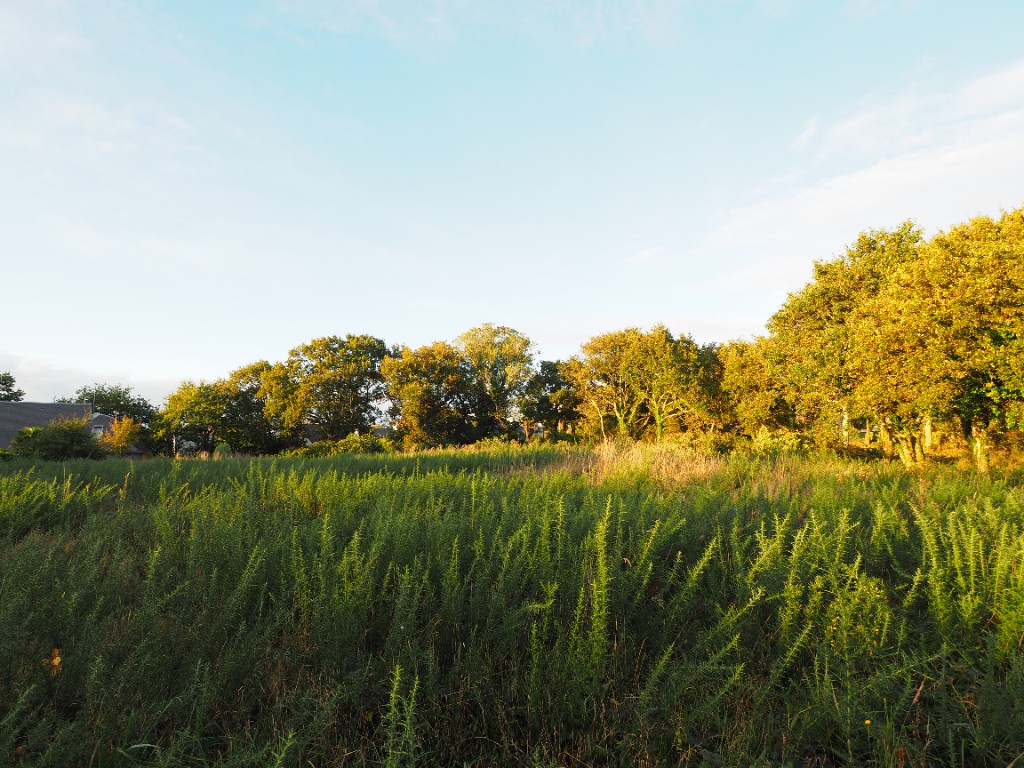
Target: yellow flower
(867, 722)
(53, 662)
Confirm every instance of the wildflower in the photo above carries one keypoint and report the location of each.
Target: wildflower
(867, 722)
(54, 662)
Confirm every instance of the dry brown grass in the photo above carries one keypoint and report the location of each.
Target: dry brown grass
(670, 466)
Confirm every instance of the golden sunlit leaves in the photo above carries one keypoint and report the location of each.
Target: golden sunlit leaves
(54, 662)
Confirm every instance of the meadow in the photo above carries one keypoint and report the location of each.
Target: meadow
(639, 606)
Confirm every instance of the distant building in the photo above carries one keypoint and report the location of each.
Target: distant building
(17, 416)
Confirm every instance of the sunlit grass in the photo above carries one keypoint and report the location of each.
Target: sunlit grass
(547, 606)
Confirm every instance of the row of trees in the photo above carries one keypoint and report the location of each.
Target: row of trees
(485, 384)
(893, 343)
(898, 337)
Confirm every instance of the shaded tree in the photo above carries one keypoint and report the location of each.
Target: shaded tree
(433, 396)
(549, 399)
(114, 400)
(246, 422)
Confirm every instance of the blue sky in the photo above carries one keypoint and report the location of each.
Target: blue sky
(188, 187)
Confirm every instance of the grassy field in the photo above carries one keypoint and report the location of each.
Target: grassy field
(540, 607)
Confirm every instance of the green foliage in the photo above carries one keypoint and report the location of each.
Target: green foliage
(24, 442)
(632, 383)
(500, 361)
(235, 410)
(754, 388)
(550, 400)
(7, 390)
(523, 606)
(433, 397)
(333, 384)
(61, 439)
(354, 444)
(192, 415)
(767, 442)
(114, 400)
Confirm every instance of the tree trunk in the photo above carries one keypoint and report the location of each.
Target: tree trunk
(908, 448)
(659, 426)
(885, 438)
(926, 432)
(600, 420)
(868, 435)
(844, 428)
(907, 445)
(980, 446)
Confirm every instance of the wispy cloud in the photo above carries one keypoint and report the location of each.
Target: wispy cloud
(880, 127)
(581, 22)
(936, 158)
(35, 37)
(808, 134)
(652, 255)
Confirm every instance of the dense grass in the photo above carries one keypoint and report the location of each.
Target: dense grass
(542, 607)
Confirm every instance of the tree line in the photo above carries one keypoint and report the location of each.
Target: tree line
(902, 346)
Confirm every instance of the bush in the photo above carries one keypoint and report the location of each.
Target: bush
(349, 444)
(769, 443)
(24, 442)
(59, 440)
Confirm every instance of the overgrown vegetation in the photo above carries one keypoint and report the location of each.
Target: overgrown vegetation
(545, 606)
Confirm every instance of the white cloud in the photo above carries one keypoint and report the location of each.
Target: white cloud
(652, 255)
(999, 91)
(964, 157)
(881, 127)
(44, 381)
(808, 134)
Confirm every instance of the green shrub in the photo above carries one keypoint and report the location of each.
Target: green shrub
(770, 443)
(352, 443)
(61, 439)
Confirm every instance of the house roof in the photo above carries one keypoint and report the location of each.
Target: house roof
(16, 416)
